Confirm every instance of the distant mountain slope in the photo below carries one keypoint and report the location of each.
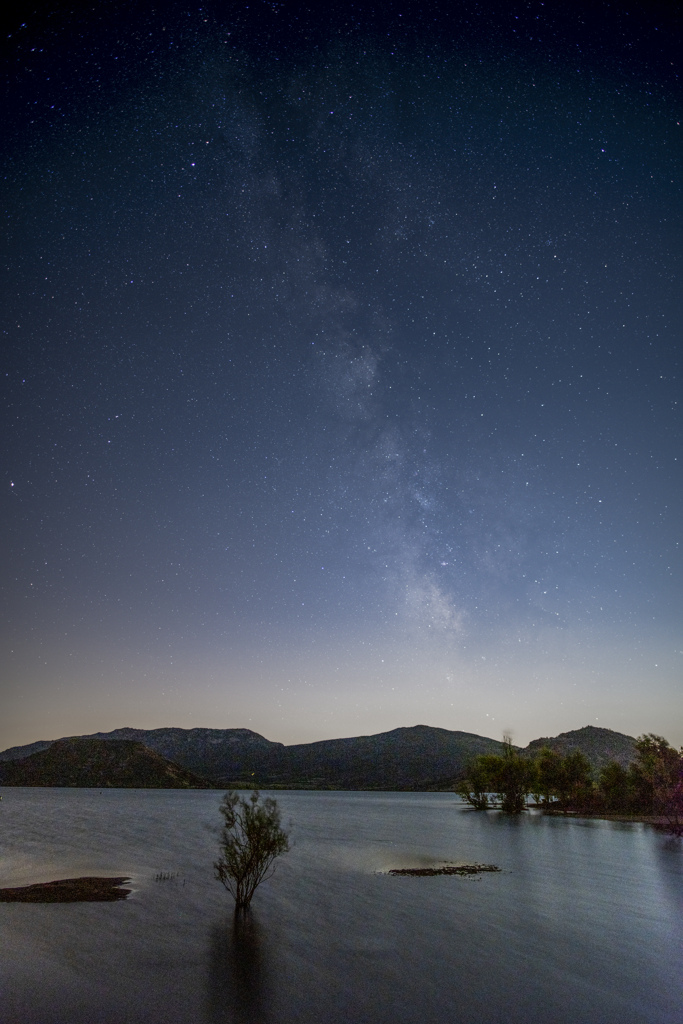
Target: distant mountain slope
(408, 758)
(599, 745)
(421, 757)
(212, 753)
(412, 758)
(14, 753)
(98, 763)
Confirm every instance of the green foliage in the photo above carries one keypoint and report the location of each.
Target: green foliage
(652, 785)
(565, 781)
(510, 777)
(251, 839)
(656, 777)
(474, 789)
(513, 778)
(654, 771)
(549, 776)
(614, 785)
(576, 778)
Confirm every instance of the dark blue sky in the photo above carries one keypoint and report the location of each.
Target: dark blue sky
(341, 369)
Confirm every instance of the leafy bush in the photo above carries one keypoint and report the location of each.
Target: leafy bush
(508, 776)
(251, 839)
(651, 785)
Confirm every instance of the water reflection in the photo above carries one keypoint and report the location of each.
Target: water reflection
(238, 971)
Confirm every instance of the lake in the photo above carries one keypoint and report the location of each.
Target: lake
(583, 925)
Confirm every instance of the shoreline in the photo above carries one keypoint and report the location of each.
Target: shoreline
(645, 819)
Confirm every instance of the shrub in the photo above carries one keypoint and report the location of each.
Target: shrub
(474, 788)
(509, 776)
(251, 839)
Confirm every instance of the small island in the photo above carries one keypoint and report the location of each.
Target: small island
(447, 869)
(69, 890)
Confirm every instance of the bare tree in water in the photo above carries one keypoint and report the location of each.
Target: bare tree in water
(250, 840)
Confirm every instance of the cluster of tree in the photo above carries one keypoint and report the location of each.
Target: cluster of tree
(651, 785)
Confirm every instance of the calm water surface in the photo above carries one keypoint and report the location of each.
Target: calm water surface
(583, 926)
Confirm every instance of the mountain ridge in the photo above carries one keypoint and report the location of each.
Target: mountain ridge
(417, 757)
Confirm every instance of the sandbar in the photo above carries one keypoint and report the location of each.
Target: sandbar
(68, 890)
(448, 869)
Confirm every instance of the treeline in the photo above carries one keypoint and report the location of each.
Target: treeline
(652, 785)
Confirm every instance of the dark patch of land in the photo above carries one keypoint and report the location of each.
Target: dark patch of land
(68, 890)
(449, 869)
(420, 758)
(99, 764)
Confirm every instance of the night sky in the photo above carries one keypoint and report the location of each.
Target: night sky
(341, 368)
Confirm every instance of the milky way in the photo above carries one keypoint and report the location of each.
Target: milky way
(341, 370)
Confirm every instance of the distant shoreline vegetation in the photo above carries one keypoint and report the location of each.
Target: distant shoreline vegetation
(588, 771)
(416, 758)
(650, 788)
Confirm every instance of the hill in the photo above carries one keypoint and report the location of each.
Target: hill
(13, 753)
(213, 753)
(416, 758)
(98, 763)
(421, 757)
(599, 745)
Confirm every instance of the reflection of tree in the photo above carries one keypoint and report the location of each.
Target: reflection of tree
(237, 984)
